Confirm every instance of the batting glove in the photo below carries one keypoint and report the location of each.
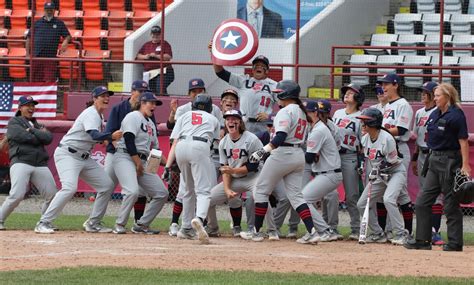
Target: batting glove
(166, 175)
(373, 175)
(257, 156)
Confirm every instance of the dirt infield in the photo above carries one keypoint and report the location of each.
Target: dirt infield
(27, 250)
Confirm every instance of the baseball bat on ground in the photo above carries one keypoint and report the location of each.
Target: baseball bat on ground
(364, 223)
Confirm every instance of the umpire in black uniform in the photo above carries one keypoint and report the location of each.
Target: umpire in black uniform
(449, 150)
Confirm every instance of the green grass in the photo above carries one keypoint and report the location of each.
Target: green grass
(120, 275)
(23, 221)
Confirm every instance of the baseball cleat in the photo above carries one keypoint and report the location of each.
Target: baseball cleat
(43, 228)
(236, 231)
(292, 234)
(419, 245)
(258, 236)
(173, 230)
(354, 236)
(119, 229)
(246, 235)
(337, 234)
(95, 228)
(186, 234)
(273, 235)
(141, 229)
(310, 238)
(377, 238)
(436, 239)
(203, 237)
(328, 236)
(212, 232)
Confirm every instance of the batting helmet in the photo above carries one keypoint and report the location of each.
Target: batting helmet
(359, 95)
(287, 89)
(463, 188)
(202, 102)
(371, 117)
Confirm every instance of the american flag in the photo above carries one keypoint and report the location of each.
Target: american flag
(44, 93)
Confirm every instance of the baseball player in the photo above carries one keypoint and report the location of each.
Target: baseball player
(238, 174)
(196, 86)
(139, 136)
(73, 157)
(256, 98)
(381, 97)
(422, 150)
(286, 160)
(398, 115)
(386, 178)
(323, 155)
(94, 223)
(28, 158)
(350, 129)
(192, 136)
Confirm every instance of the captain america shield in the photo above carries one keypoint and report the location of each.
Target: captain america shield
(234, 43)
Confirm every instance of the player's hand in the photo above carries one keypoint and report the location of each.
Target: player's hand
(63, 48)
(118, 134)
(174, 105)
(166, 175)
(262, 116)
(466, 169)
(373, 175)
(209, 46)
(231, 194)
(414, 168)
(360, 171)
(140, 169)
(257, 156)
(226, 169)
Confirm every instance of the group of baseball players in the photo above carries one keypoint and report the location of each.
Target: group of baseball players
(292, 161)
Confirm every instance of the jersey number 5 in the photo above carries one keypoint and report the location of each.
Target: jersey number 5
(196, 119)
(300, 129)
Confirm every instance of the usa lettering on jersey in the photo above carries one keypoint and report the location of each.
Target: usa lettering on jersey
(235, 153)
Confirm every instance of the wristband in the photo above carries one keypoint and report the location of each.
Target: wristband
(267, 148)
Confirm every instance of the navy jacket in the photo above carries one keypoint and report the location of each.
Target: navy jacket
(272, 24)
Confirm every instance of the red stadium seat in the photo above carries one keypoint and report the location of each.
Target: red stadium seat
(69, 17)
(40, 5)
(19, 18)
(116, 5)
(90, 5)
(76, 34)
(17, 72)
(3, 52)
(141, 5)
(67, 5)
(116, 44)
(118, 19)
(20, 5)
(4, 13)
(141, 17)
(95, 70)
(91, 38)
(92, 18)
(40, 13)
(16, 34)
(65, 66)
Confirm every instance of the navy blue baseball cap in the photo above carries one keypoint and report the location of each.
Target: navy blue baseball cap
(389, 78)
(311, 106)
(196, 83)
(234, 113)
(231, 92)
(263, 59)
(26, 100)
(140, 85)
(428, 86)
(150, 97)
(155, 29)
(99, 90)
(49, 5)
(324, 106)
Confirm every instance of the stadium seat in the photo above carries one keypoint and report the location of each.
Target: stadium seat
(453, 6)
(91, 38)
(118, 19)
(90, 5)
(19, 18)
(93, 19)
(67, 5)
(409, 40)
(361, 59)
(116, 5)
(95, 70)
(426, 6)
(70, 17)
(16, 34)
(461, 41)
(116, 44)
(431, 23)
(405, 23)
(447, 61)
(76, 34)
(65, 66)
(4, 13)
(382, 40)
(432, 40)
(141, 17)
(388, 60)
(466, 61)
(461, 24)
(20, 5)
(415, 82)
(17, 72)
(141, 5)
(3, 52)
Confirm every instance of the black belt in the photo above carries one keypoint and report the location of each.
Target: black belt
(84, 155)
(445, 152)
(424, 150)
(291, 145)
(140, 155)
(194, 139)
(346, 151)
(252, 120)
(399, 141)
(329, 171)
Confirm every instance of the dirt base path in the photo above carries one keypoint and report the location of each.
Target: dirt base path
(27, 250)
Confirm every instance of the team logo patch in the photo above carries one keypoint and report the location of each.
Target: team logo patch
(234, 42)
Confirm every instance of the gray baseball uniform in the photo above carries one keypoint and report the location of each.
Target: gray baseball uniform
(195, 132)
(384, 149)
(255, 97)
(145, 134)
(350, 129)
(327, 170)
(73, 160)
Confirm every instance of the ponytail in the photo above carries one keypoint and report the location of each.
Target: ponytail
(303, 108)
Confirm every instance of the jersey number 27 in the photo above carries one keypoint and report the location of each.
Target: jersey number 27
(300, 129)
